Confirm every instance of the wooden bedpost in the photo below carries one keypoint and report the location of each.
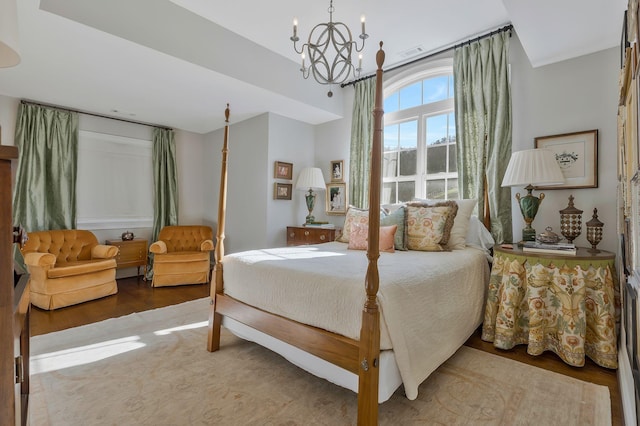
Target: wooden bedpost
(369, 353)
(215, 319)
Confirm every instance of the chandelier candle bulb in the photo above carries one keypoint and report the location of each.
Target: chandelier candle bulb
(362, 20)
(295, 28)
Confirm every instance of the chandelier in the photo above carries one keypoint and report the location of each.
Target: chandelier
(329, 49)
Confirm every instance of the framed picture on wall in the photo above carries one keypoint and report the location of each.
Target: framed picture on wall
(283, 170)
(577, 156)
(282, 191)
(337, 171)
(336, 198)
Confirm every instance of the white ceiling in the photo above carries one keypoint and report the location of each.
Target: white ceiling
(178, 63)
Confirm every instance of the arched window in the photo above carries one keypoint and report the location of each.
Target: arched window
(419, 157)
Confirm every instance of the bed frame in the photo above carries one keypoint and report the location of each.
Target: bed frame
(358, 356)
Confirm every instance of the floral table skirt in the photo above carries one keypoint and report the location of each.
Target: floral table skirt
(568, 309)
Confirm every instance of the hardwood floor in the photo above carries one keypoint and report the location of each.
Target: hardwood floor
(135, 295)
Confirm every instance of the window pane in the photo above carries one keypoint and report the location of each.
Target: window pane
(391, 137)
(409, 134)
(437, 159)
(406, 191)
(391, 103)
(435, 189)
(451, 86)
(435, 89)
(388, 193)
(437, 129)
(453, 163)
(452, 189)
(408, 159)
(390, 164)
(452, 127)
(409, 147)
(411, 96)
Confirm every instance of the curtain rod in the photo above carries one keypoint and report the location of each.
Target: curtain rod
(430, 55)
(94, 114)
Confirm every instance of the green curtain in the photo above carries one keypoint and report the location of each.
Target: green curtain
(361, 141)
(483, 127)
(165, 177)
(45, 193)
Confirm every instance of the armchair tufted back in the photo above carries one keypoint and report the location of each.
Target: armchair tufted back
(67, 245)
(185, 237)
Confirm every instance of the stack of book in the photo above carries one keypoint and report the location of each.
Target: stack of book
(568, 249)
(325, 225)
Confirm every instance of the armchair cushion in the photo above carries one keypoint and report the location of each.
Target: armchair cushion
(68, 266)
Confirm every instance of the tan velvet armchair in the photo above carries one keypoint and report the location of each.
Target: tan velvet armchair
(182, 255)
(67, 267)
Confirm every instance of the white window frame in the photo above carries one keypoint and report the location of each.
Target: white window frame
(419, 113)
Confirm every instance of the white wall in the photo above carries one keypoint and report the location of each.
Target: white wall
(255, 219)
(570, 96)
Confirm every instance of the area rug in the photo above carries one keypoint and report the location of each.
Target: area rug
(152, 368)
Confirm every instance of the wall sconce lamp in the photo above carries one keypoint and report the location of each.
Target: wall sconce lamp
(310, 179)
(532, 167)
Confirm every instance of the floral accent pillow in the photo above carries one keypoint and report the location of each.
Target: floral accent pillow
(358, 240)
(354, 216)
(429, 226)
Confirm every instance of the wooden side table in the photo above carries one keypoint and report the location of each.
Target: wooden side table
(133, 253)
(562, 303)
(302, 235)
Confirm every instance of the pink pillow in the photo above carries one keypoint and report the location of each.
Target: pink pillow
(358, 239)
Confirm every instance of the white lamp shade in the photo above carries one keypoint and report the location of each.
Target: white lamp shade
(311, 178)
(533, 167)
(9, 55)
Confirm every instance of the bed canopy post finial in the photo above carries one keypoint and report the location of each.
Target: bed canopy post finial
(215, 319)
(370, 332)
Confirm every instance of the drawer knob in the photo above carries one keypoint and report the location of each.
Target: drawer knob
(292, 234)
(323, 237)
(306, 233)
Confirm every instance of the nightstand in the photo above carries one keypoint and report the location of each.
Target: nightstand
(132, 253)
(562, 303)
(302, 235)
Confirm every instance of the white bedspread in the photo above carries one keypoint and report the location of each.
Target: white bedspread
(430, 302)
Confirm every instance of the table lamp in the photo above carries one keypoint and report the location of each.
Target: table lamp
(532, 167)
(310, 179)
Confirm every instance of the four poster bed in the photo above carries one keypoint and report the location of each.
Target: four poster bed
(307, 303)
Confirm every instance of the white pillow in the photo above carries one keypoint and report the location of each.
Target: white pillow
(458, 236)
(478, 235)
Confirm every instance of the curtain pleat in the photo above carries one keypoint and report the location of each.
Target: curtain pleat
(361, 141)
(483, 127)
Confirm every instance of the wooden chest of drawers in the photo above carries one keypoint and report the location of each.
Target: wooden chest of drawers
(133, 253)
(301, 235)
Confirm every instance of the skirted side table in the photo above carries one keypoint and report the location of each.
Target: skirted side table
(562, 303)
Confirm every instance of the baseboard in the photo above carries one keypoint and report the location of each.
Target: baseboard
(627, 388)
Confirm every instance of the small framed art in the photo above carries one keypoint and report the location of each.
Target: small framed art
(577, 156)
(283, 170)
(336, 198)
(337, 171)
(282, 191)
